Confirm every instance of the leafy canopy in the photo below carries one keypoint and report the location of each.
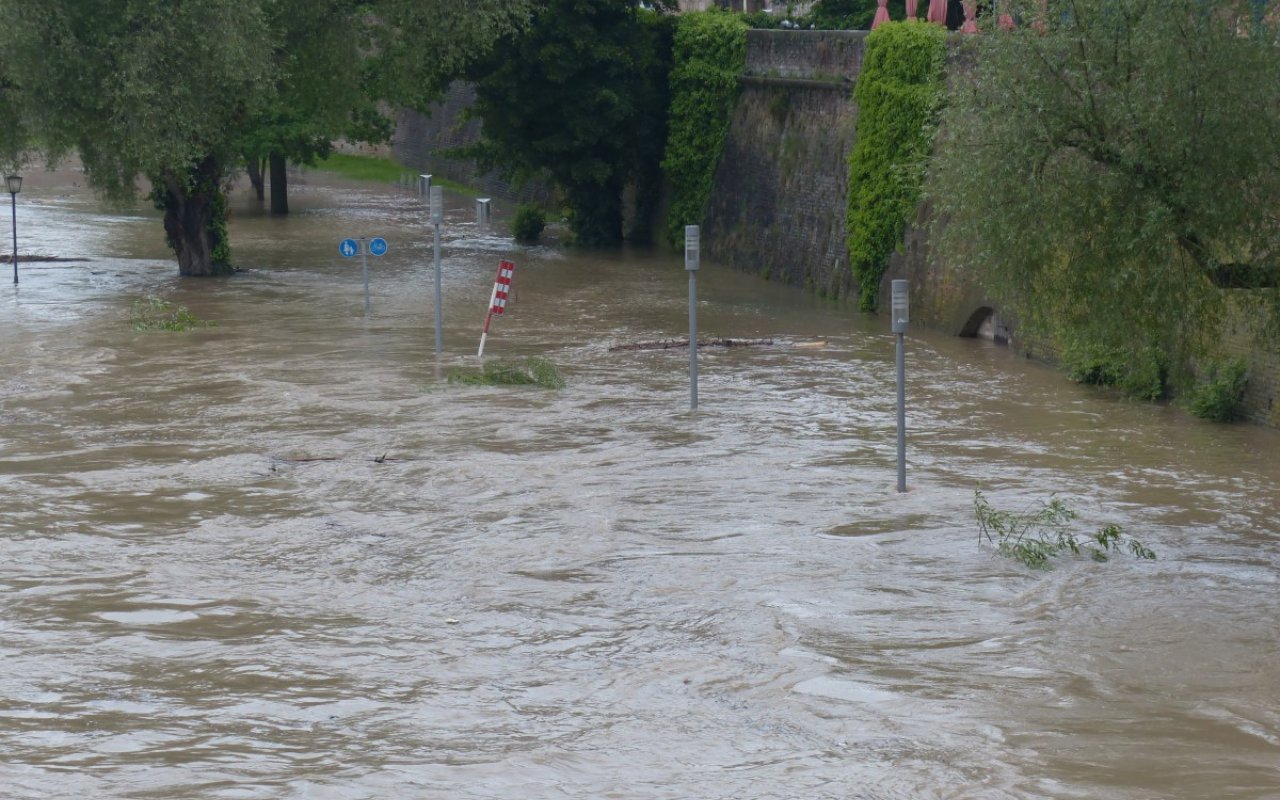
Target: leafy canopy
(138, 87)
(579, 97)
(1110, 165)
(143, 87)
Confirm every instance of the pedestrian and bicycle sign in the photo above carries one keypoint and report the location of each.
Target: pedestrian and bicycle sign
(350, 248)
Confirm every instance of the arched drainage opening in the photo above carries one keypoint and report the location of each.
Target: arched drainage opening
(985, 324)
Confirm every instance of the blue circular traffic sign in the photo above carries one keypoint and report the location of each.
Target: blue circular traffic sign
(378, 246)
(349, 248)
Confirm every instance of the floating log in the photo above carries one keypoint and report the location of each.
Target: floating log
(671, 344)
(28, 259)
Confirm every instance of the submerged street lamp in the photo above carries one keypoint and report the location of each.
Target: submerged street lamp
(14, 184)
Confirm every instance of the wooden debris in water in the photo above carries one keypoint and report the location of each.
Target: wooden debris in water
(671, 344)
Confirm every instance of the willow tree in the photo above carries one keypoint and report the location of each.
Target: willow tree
(151, 88)
(1110, 169)
(172, 90)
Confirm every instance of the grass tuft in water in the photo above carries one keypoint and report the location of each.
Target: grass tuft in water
(153, 313)
(530, 372)
(1043, 532)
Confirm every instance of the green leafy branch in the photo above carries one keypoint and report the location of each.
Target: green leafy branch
(1044, 531)
(153, 313)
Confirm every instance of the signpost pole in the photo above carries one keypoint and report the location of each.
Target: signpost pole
(901, 316)
(692, 245)
(364, 267)
(437, 216)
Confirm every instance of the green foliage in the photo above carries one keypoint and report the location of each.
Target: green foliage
(1043, 532)
(417, 48)
(579, 97)
(898, 93)
(529, 222)
(362, 168)
(1139, 372)
(153, 313)
(855, 15)
(1099, 173)
(530, 372)
(709, 54)
(151, 87)
(1221, 395)
(320, 92)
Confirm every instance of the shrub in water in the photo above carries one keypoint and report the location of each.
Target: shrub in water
(1219, 398)
(530, 372)
(528, 224)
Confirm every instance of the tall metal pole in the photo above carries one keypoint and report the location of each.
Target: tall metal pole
(437, 216)
(902, 415)
(692, 245)
(900, 316)
(13, 205)
(364, 268)
(693, 339)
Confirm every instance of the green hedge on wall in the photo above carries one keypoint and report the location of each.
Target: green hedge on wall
(710, 53)
(899, 94)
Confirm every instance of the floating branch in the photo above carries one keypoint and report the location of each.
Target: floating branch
(671, 344)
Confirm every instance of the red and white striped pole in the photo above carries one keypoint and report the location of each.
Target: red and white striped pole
(498, 299)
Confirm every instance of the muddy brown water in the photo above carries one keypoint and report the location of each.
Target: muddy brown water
(283, 558)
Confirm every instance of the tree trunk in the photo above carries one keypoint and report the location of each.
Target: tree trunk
(279, 184)
(253, 165)
(195, 218)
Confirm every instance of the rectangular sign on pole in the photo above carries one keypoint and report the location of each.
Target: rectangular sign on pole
(497, 299)
(899, 306)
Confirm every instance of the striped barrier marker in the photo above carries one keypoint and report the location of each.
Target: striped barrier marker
(498, 299)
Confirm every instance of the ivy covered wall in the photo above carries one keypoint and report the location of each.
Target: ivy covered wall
(709, 56)
(898, 93)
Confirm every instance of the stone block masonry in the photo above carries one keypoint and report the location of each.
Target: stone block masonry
(423, 142)
(778, 201)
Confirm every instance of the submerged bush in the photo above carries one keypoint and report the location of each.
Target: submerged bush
(1141, 373)
(1221, 395)
(153, 313)
(530, 372)
(528, 224)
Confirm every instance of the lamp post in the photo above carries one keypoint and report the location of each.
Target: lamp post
(14, 184)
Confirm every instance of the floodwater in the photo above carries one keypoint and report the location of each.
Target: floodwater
(282, 557)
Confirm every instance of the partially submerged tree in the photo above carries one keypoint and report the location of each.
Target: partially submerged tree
(580, 97)
(177, 91)
(154, 88)
(345, 65)
(1109, 167)
(322, 60)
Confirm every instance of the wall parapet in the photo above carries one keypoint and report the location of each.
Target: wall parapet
(805, 54)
